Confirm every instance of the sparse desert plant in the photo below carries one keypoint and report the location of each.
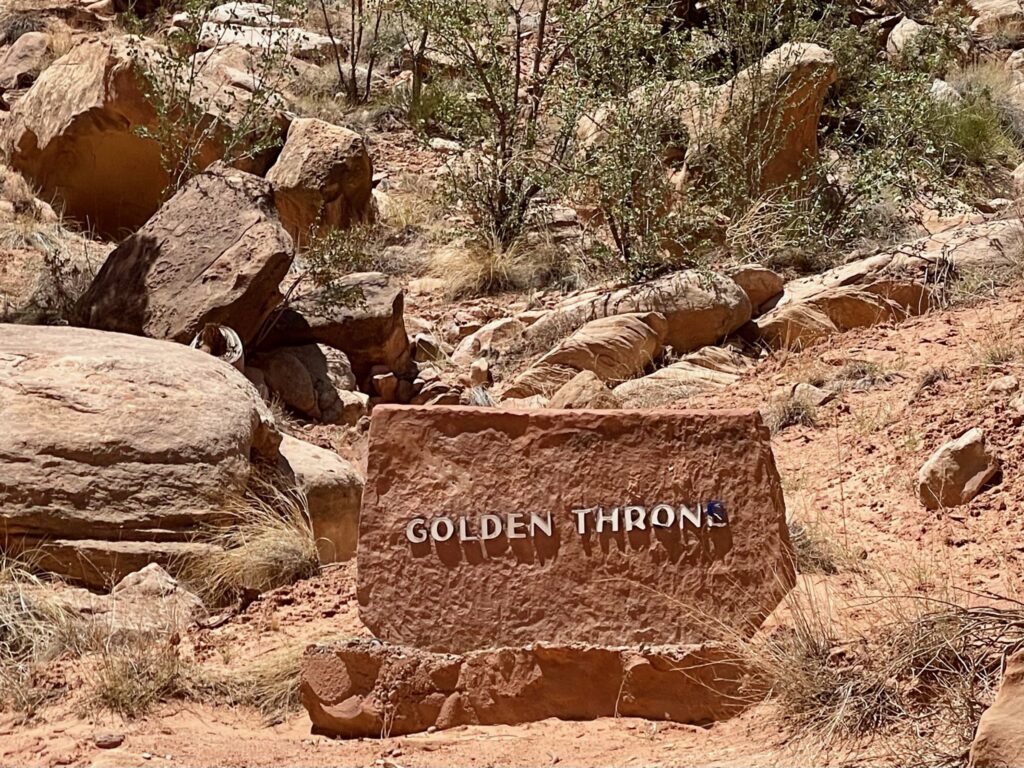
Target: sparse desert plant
(130, 677)
(483, 266)
(267, 542)
(14, 25)
(813, 551)
(791, 411)
(269, 685)
(999, 349)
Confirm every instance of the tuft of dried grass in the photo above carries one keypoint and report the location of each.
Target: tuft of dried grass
(269, 685)
(268, 542)
(813, 550)
(484, 266)
(789, 412)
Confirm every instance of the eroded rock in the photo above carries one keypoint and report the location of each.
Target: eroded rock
(957, 471)
(363, 688)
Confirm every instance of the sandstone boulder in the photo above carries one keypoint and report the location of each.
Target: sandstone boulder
(490, 340)
(775, 106)
(706, 369)
(361, 314)
(1004, 18)
(957, 471)
(614, 348)
(333, 489)
(472, 543)
(347, 688)
(310, 379)
(761, 285)
(798, 324)
(584, 390)
(700, 308)
(24, 60)
(76, 135)
(902, 35)
(214, 253)
(116, 448)
(322, 179)
(999, 741)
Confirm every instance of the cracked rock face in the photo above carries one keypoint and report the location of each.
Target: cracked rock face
(480, 570)
(114, 448)
(365, 688)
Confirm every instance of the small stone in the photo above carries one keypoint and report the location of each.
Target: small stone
(479, 373)
(146, 756)
(1004, 384)
(108, 740)
(957, 471)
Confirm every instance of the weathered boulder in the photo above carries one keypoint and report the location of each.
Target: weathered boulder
(24, 60)
(957, 471)
(310, 379)
(800, 323)
(708, 368)
(614, 348)
(347, 688)
(761, 285)
(214, 253)
(361, 314)
(493, 338)
(116, 448)
(584, 390)
(999, 741)
(322, 179)
(76, 134)
(700, 308)
(902, 35)
(775, 106)
(606, 526)
(333, 489)
(1004, 18)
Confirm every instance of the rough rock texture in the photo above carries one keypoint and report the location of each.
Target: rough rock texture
(493, 338)
(24, 60)
(115, 448)
(776, 105)
(902, 35)
(999, 741)
(707, 368)
(363, 688)
(614, 348)
(836, 309)
(310, 379)
(75, 136)
(584, 390)
(360, 314)
(957, 471)
(761, 285)
(214, 253)
(322, 179)
(605, 587)
(700, 308)
(1004, 18)
(333, 489)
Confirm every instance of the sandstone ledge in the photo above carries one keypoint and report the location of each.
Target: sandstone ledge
(366, 688)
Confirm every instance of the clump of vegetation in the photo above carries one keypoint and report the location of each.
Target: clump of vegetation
(14, 25)
(813, 551)
(791, 411)
(268, 543)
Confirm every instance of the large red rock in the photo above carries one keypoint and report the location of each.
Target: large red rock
(442, 468)
(999, 741)
(213, 253)
(364, 688)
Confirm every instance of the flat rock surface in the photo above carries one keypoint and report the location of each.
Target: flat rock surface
(652, 584)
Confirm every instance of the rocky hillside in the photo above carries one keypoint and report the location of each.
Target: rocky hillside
(229, 232)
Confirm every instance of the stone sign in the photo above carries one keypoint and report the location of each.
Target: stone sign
(489, 527)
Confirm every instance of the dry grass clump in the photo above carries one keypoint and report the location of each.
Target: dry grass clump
(789, 412)
(483, 266)
(134, 675)
(266, 542)
(34, 629)
(813, 551)
(863, 374)
(14, 25)
(270, 685)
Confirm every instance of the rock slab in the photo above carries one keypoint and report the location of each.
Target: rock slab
(651, 584)
(999, 741)
(114, 449)
(364, 688)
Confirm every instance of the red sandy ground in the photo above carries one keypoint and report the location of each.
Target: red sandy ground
(852, 475)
